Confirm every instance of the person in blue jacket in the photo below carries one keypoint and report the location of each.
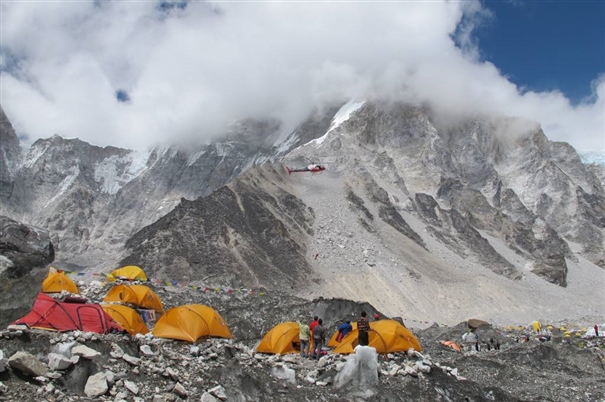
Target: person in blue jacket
(343, 330)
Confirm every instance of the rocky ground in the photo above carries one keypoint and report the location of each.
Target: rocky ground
(42, 365)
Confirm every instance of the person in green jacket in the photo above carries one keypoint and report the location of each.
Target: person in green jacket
(304, 339)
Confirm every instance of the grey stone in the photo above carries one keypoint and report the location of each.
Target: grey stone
(208, 397)
(116, 351)
(58, 362)
(146, 350)
(3, 362)
(96, 385)
(132, 387)
(27, 364)
(179, 389)
(110, 377)
(219, 392)
(85, 352)
(133, 361)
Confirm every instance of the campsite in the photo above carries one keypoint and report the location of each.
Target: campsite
(241, 345)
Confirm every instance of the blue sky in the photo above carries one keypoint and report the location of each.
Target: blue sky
(547, 45)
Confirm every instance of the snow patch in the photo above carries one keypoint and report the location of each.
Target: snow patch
(341, 116)
(73, 173)
(593, 157)
(223, 148)
(34, 154)
(193, 158)
(116, 171)
(285, 145)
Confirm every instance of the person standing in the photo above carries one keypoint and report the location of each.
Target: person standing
(304, 339)
(363, 328)
(312, 326)
(596, 330)
(319, 338)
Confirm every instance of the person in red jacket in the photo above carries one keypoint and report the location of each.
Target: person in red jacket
(312, 326)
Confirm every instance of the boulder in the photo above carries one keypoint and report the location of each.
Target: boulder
(180, 390)
(58, 362)
(146, 350)
(116, 351)
(133, 361)
(219, 392)
(132, 387)
(27, 364)
(110, 377)
(208, 397)
(85, 352)
(284, 373)
(3, 362)
(25, 246)
(96, 385)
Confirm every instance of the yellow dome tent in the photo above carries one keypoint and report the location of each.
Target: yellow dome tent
(280, 339)
(127, 317)
(129, 272)
(139, 295)
(332, 343)
(536, 326)
(191, 322)
(385, 336)
(57, 281)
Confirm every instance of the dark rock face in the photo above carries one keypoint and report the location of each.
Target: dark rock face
(92, 199)
(387, 211)
(515, 172)
(26, 247)
(241, 234)
(24, 252)
(457, 231)
(10, 156)
(549, 250)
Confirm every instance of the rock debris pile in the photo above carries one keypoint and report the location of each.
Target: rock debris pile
(39, 365)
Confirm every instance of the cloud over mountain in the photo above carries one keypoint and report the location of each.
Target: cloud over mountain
(134, 74)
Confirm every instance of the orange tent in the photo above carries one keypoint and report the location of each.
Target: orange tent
(452, 345)
(332, 343)
(191, 322)
(281, 339)
(57, 281)
(385, 336)
(128, 318)
(139, 295)
(129, 273)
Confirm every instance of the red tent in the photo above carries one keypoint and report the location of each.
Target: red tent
(49, 313)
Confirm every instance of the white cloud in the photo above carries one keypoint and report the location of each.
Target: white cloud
(189, 71)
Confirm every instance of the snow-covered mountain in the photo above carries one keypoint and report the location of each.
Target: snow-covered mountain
(421, 220)
(419, 217)
(93, 199)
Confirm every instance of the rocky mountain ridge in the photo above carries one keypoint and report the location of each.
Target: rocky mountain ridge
(403, 196)
(93, 199)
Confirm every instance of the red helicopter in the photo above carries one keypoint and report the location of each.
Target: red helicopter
(313, 168)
